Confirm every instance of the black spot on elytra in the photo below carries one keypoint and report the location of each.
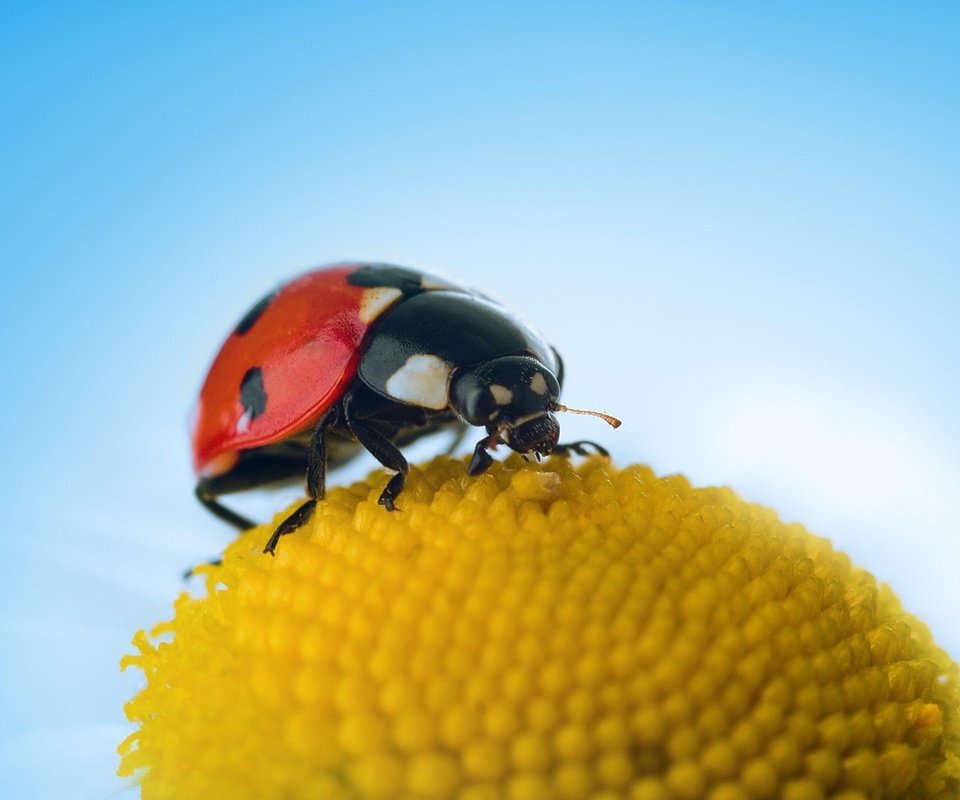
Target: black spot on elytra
(253, 398)
(254, 313)
(373, 276)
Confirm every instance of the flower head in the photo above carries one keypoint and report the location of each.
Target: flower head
(542, 631)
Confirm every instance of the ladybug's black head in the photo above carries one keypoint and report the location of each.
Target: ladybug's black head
(512, 396)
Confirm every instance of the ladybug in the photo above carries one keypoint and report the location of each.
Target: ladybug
(368, 356)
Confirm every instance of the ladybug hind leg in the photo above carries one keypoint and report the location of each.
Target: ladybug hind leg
(254, 468)
(208, 498)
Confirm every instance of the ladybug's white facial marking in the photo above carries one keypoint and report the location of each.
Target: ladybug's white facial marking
(516, 423)
(373, 302)
(501, 394)
(538, 384)
(423, 380)
(506, 428)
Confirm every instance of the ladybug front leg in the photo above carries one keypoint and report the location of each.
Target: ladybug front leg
(316, 482)
(379, 446)
(481, 458)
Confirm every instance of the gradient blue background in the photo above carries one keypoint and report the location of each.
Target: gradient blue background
(737, 221)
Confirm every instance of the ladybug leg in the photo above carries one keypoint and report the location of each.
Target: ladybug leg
(213, 562)
(481, 458)
(317, 456)
(380, 447)
(580, 448)
(208, 498)
(458, 437)
(299, 517)
(316, 483)
(254, 468)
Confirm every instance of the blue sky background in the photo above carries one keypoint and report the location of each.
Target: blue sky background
(737, 221)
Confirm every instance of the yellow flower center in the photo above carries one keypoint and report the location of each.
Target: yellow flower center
(542, 631)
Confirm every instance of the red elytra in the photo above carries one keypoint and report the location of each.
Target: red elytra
(307, 344)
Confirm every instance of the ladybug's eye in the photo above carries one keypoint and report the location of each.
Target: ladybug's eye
(471, 397)
(482, 406)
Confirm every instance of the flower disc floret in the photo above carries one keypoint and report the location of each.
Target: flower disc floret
(542, 631)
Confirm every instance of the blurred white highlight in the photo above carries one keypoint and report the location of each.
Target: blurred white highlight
(849, 457)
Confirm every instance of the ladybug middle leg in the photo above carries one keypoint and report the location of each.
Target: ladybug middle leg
(371, 420)
(316, 481)
(360, 409)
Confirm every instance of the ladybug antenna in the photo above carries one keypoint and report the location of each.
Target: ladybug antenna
(611, 420)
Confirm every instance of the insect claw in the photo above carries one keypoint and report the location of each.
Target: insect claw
(290, 524)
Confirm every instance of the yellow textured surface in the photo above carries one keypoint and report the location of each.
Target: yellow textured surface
(542, 631)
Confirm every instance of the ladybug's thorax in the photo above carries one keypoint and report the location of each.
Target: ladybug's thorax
(512, 396)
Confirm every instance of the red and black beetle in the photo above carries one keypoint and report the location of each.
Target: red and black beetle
(367, 356)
